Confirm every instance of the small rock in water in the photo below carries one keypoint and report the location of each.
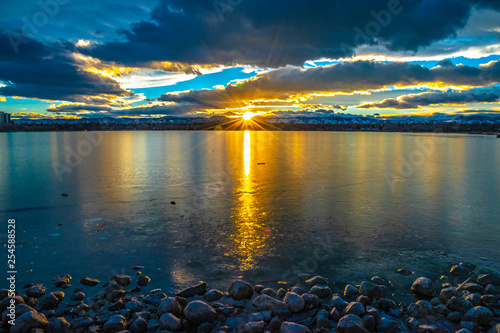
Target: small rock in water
(29, 321)
(86, 281)
(423, 287)
(288, 327)
(198, 312)
(143, 280)
(77, 296)
(317, 280)
(320, 291)
(459, 270)
(487, 279)
(213, 295)
(58, 325)
(36, 290)
(240, 290)
(199, 289)
(370, 289)
(137, 268)
(61, 280)
(350, 291)
(404, 272)
(123, 280)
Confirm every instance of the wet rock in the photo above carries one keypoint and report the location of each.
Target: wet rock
(294, 301)
(466, 306)
(297, 290)
(320, 291)
(134, 306)
(86, 281)
(29, 321)
(473, 287)
(123, 280)
(258, 288)
(288, 327)
(441, 309)
(51, 301)
(479, 315)
(427, 329)
(81, 323)
(322, 322)
(491, 289)
(454, 304)
(388, 325)
(370, 289)
(387, 304)
(36, 290)
(119, 305)
(281, 293)
(335, 314)
(317, 280)
(365, 300)
(213, 295)
(77, 296)
(487, 279)
(311, 301)
(459, 270)
(404, 272)
(205, 328)
(474, 299)
(269, 292)
(58, 325)
(350, 291)
(169, 305)
(454, 317)
(355, 308)
(240, 289)
(369, 323)
(412, 323)
(140, 325)
(351, 324)
(115, 323)
(275, 323)
(170, 322)
(61, 280)
(143, 280)
(254, 327)
(470, 326)
(198, 312)
(338, 302)
(423, 287)
(267, 303)
(447, 293)
(198, 290)
(380, 281)
(112, 286)
(261, 316)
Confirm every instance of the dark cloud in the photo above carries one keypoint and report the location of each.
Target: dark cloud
(445, 63)
(34, 70)
(70, 108)
(281, 32)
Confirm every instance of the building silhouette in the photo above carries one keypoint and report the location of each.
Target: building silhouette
(4, 118)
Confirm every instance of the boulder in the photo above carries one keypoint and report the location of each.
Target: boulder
(29, 321)
(199, 289)
(169, 322)
(240, 289)
(423, 287)
(294, 301)
(288, 327)
(198, 312)
(115, 323)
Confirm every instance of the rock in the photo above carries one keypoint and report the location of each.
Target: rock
(61, 280)
(58, 325)
(77, 296)
(86, 281)
(134, 306)
(404, 272)
(320, 291)
(294, 301)
(288, 327)
(29, 321)
(258, 288)
(350, 291)
(355, 308)
(170, 322)
(312, 301)
(140, 325)
(123, 280)
(267, 303)
(388, 325)
(472, 287)
(199, 289)
(380, 281)
(447, 293)
(479, 315)
(351, 324)
(115, 323)
(454, 317)
(116, 306)
(198, 312)
(491, 289)
(240, 290)
(36, 290)
(205, 328)
(470, 326)
(335, 314)
(459, 270)
(254, 327)
(369, 323)
(143, 280)
(463, 330)
(322, 322)
(454, 304)
(338, 302)
(213, 295)
(474, 299)
(317, 280)
(51, 301)
(427, 329)
(370, 289)
(269, 292)
(412, 323)
(261, 316)
(275, 323)
(423, 287)
(487, 279)
(169, 305)
(281, 293)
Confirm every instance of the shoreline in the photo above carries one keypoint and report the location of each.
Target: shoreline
(126, 304)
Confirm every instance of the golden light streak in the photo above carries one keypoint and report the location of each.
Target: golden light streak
(247, 153)
(248, 115)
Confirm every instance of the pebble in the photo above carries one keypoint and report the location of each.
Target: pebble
(60, 280)
(123, 280)
(86, 281)
(143, 280)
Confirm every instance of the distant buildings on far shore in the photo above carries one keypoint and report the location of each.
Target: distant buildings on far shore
(4, 118)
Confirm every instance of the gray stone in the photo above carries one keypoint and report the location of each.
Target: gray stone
(322, 322)
(140, 325)
(294, 301)
(115, 323)
(388, 325)
(447, 293)
(198, 312)
(355, 308)
(213, 295)
(36, 290)
(116, 306)
(427, 329)
(370, 289)
(338, 302)
(288, 327)
(123, 280)
(261, 316)
(320, 291)
(29, 321)
(51, 301)
(454, 317)
(351, 324)
(474, 299)
(487, 279)
(143, 280)
(198, 290)
(134, 306)
(169, 305)
(473, 287)
(86, 281)
(267, 303)
(317, 280)
(281, 293)
(170, 322)
(423, 287)
(312, 301)
(350, 291)
(254, 327)
(459, 270)
(240, 289)
(479, 315)
(58, 325)
(269, 292)
(369, 323)
(60, 280)
(77, 296)
(275, 323)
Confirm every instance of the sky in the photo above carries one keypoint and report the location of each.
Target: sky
(123, 58)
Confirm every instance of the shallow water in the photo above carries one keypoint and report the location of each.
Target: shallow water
(267, 206)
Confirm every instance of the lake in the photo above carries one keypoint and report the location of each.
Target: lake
(264, 205)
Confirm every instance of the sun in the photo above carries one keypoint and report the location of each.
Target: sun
(248, 115)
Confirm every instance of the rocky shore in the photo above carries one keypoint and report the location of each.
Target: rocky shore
(125, 304)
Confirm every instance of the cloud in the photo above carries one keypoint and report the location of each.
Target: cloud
(71, 107)
(435, 98)
(2, 99)
(49, 72)
(277, 33)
